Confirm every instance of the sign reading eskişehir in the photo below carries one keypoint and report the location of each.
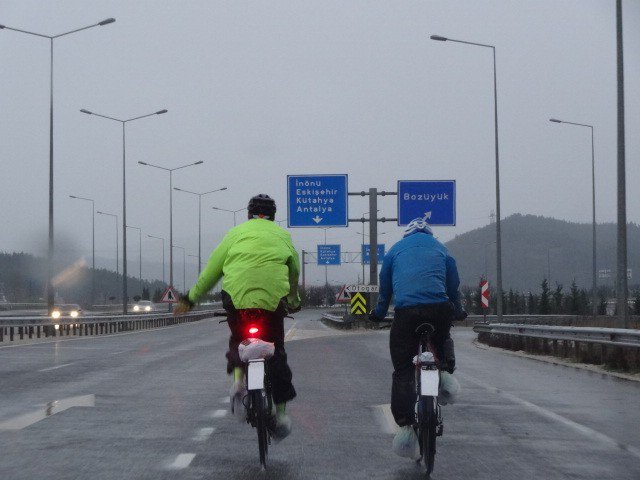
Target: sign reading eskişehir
(317, 201)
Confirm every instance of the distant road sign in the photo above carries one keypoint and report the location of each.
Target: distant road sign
(317, 201)
(434, 199)
(366, 253)
(169, 296)
(343, 296)
(362, 288)
(604, 273)
(328, 254)
(484, 293)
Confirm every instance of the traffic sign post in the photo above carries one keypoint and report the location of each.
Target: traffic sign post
(434, 200)
(317, 201)
(366, 253)
(328, 254)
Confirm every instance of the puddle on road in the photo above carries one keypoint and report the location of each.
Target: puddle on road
(51, 408)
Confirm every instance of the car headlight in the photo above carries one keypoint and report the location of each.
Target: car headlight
(147, 308)
(74, 313)
(55, 314)
(56, 326)
(136, 308)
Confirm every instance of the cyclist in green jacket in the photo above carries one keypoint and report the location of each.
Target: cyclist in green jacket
(260, 267)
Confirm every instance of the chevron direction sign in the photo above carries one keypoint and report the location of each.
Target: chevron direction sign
(358, 304)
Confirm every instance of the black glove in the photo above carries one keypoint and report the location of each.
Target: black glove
(184, 305)
(294, 310)
(459, 313)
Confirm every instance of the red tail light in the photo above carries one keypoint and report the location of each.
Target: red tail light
(253, 330)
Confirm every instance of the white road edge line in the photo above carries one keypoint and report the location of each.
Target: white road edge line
(56, 367)
(203, 434)
(292, 329)
(218, 413)
(182, 461)
(578, 427)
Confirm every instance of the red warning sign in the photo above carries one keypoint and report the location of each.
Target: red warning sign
(169, 296)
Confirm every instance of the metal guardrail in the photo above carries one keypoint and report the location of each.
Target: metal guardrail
(603, 336)
(85, 326)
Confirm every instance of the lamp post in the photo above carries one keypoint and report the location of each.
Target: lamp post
(184, 268)
(140, 252)
(230, 211)
(124, 196)
(495, 115)
(93, 245)
(160, 238)
(198, 257)
(200, 195)
(50, 252)
(171, 170)
(117, 253)
(594, 294)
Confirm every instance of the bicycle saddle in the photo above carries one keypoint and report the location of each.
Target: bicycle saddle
(425, 329)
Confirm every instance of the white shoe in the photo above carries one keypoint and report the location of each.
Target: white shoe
(238, 393)
(405, 443)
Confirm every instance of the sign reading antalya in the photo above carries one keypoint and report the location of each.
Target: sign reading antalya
(434, 200)
(317, 201)
(328, 254)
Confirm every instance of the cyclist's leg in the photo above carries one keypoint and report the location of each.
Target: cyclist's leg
(442, 337)
(278, 368)
(234, 364)
(403, 344)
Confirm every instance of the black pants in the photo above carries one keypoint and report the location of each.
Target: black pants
(277, 367)
(403, 343)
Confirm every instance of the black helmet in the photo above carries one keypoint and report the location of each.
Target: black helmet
(262, 205)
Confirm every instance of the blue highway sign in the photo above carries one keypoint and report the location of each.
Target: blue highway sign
(434, 200)
(366, 253)
(317, 201)
(328, 254)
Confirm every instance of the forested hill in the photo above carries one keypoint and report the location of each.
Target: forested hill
(533, 247)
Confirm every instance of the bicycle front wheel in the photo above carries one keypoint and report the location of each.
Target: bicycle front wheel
(428, 425)
(259, 406)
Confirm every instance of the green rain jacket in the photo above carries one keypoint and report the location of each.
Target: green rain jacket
(260, 267)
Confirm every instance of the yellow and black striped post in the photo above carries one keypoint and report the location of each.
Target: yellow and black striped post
(359, 303)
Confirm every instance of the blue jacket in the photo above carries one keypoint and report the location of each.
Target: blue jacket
(417, 271)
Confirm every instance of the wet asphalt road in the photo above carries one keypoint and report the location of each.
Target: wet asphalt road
(153, 405)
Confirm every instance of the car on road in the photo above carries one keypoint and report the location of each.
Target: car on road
(143, 306)
(68, 310)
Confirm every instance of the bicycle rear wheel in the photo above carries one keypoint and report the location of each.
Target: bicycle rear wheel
(428, 425)
(259, 406)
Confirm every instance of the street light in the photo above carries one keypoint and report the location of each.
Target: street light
(184, 269)
(140, 252)
(93, 245)
(160, 238)
(195, 256)
(171, 170)
(495, 115)
(230, 211)
(117, 253)
(594, 293)
(124, 196)
(199, 219)
(50, 293)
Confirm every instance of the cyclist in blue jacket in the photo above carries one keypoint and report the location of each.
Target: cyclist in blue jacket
(419, 272)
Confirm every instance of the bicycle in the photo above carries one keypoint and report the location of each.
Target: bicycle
(428, 424)
(258, 402)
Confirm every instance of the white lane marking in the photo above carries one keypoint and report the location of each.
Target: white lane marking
(51, 408)
(218, 413)
(291, 331)
(182, 461)
(225, 400)
(385, 418)
(56, 367)
(202, 434)
(118, 353)
(578, 427)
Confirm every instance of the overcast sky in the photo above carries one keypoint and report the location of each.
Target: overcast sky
(259, 90)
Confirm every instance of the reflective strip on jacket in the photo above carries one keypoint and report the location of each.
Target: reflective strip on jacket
(259, 264)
